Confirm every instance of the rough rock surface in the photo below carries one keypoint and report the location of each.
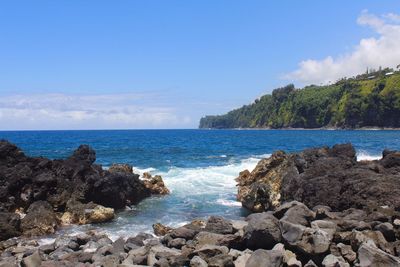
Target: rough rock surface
(155, 184)
(26, 180)
(291, 236)
(78, 213)
(318, 177)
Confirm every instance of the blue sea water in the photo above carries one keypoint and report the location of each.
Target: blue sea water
(198, 166)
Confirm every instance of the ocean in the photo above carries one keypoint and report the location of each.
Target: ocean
(198, 166)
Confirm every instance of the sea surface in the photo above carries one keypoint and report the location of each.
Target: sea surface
(198, 166)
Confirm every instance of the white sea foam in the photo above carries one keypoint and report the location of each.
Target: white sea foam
(207, 180)
(364, 155)
(229, 203)
(193, 192)
(141, 171)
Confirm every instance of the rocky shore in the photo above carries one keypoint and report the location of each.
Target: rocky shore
(320, 207)
(291, 235)
(39, 194)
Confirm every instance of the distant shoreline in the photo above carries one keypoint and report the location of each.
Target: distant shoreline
(310, 129)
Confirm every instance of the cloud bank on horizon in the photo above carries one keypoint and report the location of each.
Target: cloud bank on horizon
(102, 111)
(373, 52)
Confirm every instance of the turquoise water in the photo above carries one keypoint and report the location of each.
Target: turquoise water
(199, 166)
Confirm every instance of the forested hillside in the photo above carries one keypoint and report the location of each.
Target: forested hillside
(368, 100)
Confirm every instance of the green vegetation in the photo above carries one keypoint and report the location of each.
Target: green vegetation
(368, 100)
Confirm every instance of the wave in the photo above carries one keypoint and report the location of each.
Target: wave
(364, 155)
(195, 193)
(207, 180)
(229, 203)
(141, 171)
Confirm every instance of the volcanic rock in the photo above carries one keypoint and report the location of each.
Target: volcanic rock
(318, 177)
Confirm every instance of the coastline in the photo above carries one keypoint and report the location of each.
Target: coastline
(309, 129)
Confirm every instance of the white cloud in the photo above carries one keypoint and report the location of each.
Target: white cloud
(63, 111)
(373, 52)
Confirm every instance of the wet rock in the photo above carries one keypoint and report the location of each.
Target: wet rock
(262, 231)
(78, 213)
(40, 219)
(160, 229)
(155, 184)
(260, 189)
(263, 257)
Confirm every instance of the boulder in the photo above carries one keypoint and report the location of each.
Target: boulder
(261, 257)
(158, 252)
(299, 214)
(304, 239)
(221, 260)
(334, 261)
(262, 231)
(347, 252)
(160, 229)
(370, 255)
(34, 260)
(183, 232)
(196, 261)
(78, 213)
(219, 225)
(387, 230)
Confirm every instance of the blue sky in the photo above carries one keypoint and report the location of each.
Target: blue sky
(164, 64)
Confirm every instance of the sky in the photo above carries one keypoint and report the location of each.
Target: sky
(165, 64)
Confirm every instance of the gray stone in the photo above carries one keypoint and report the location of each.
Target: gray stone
(196, 261)
(370, 255)
(334, 261)
(261, 257)
(34, 260)
(221, 260)
(387, 230)
(217, 224)
(177, 243)
(262, 231)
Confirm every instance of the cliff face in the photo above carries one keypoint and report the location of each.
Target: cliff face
(371, 100)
